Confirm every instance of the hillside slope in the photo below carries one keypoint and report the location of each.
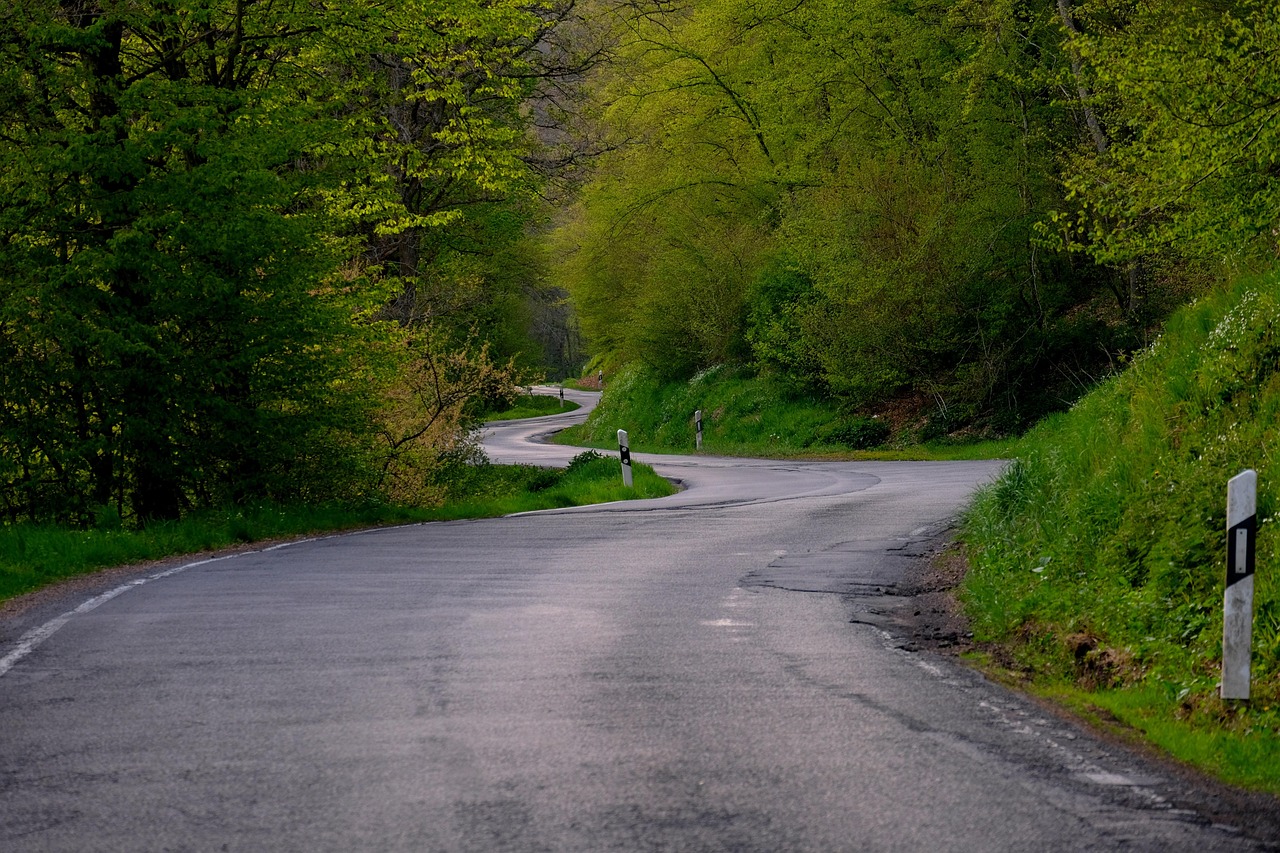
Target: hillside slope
(1098, 558)
(747, 413)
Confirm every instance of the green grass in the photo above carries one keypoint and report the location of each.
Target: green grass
(590, 479)
(533, 406)
(32, 557)
(1239, 746)
(746, 415)
(1097, 558)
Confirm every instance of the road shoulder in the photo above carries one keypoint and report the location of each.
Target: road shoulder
(927, 618)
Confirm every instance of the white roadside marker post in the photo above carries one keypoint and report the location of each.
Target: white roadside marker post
(1237, 598)
(562, 396)
(624, 450)
(697, 425)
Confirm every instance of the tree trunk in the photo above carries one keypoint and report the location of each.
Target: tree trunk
(1077, 70)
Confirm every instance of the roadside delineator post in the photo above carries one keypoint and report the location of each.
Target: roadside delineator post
(697, 426)
(562, 396)
(624, 451)
(1237, 598)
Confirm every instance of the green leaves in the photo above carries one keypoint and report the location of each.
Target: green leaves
(1197, 121)
(192, 198)
(895, 158)
(990, 200)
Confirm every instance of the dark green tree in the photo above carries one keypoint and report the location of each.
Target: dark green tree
(187, 194)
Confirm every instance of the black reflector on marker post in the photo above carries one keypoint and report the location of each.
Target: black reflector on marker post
(697, 426)
(1237, 597)
(624, 450)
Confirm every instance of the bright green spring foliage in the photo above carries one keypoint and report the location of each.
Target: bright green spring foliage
(1099, 555)
(975, 205)
(845, 193)
(741, 415)
(1190, 95)
(749, 415)
(192, 193)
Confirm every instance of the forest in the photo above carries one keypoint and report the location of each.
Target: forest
(970, 210)
(261, 249)
(281, 249)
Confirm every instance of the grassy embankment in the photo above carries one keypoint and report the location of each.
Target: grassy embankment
(533, 406)
(32, 557)
(1098, 558)
(744, 415)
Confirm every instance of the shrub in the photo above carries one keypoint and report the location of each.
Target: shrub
(857, 432)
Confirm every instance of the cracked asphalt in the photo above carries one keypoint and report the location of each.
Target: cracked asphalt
(713, 671)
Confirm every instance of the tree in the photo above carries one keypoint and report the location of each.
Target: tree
(864, 179)
(1195, 102)
(187, 192)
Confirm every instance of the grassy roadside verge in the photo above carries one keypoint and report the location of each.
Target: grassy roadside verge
(533, 406)
(746, 415)
(1097, 559)
(32, 557)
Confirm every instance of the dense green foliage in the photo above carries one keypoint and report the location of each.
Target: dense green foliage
(1099, 556)
(1189, 93)
(33, 556)
(974, 206)
(237, 252)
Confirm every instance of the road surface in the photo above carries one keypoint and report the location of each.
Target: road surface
(704, 672)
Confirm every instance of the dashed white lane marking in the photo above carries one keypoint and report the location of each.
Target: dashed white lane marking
(732, 601)
(33, 638)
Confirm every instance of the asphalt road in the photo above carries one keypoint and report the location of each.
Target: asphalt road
(703, 672)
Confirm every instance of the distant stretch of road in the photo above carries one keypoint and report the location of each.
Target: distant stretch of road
(705, 672)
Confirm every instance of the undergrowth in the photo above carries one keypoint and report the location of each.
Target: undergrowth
(532, 406)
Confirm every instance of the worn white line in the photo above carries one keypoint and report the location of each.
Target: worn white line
(1016, 720)
(33, 638)
(936, 672)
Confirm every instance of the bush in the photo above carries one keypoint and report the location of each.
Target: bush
(583, 460)
(857, 432)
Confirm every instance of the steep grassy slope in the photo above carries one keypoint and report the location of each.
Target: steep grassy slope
(1098, 558)
(744, 414)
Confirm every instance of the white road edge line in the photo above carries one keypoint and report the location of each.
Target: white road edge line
(33, 638)
(1072, 762)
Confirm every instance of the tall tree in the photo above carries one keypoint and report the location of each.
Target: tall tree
(186, 193)
(864, 179)
(1194, 97)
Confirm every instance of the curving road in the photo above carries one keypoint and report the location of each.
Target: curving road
(701, 672)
